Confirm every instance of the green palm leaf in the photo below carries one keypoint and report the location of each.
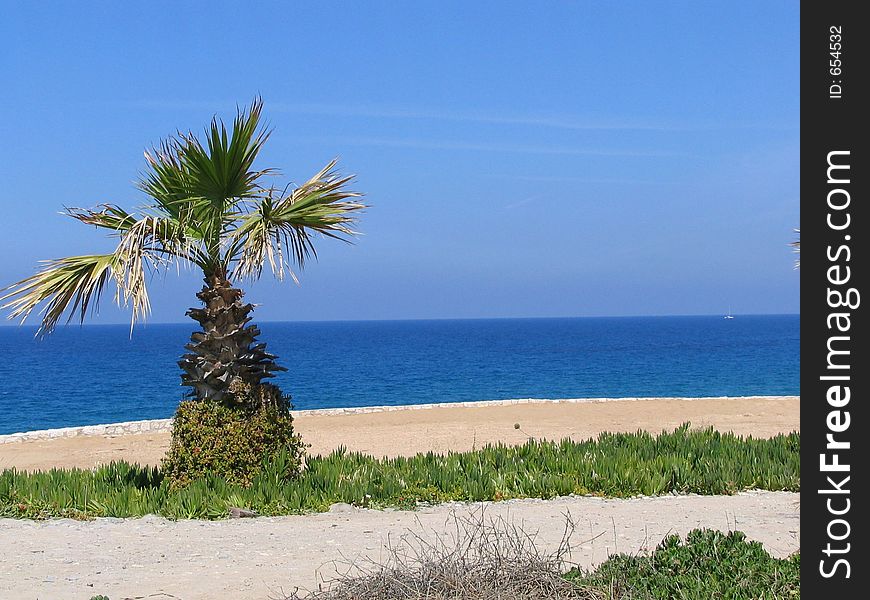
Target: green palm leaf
(279, 230)
(223, 170)
(108, 216)
(75, 282)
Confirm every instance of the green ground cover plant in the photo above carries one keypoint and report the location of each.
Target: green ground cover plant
(683, 461)
(707, 564)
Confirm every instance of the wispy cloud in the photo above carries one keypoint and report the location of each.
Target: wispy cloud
(522, 202)
(569, 122)
(485, 147)
(533, 120)
(574, 179)
(405, 113)
(426, 143)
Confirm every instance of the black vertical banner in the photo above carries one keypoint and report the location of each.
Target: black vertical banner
(835, 420)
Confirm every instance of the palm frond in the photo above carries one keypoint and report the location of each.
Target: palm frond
(76, 283)
(278, 231)
(183, 169)
(108, 216)
(167, 181)
(150, 242)
(222, 170)
(167, 235)
(201, 183)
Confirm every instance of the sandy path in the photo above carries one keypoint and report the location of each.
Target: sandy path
(406, 432)
(256, 558)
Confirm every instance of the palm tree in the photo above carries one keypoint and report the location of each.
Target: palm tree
(797, 249)
(209, 208)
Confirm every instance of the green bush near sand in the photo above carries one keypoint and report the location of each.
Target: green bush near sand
(209, 438)
(707, 564)
(684, 461)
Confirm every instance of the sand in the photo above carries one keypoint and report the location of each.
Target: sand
(443, 428)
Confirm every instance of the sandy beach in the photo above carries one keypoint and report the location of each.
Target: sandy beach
(402, 432)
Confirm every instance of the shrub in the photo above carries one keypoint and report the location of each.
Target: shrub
(232, 442)
(708, 564)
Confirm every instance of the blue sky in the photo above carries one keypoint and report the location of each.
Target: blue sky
(540, 159)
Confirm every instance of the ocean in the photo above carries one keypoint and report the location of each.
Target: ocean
(99, 374)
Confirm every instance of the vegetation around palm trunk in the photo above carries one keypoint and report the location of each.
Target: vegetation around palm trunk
(209, 438)
(616, 465)
(209, 208)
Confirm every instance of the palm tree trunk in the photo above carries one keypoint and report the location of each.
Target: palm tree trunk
(224, 352)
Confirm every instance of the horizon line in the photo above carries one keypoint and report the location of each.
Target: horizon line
(414, 319)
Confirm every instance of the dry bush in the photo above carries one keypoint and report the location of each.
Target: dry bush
(480, 559)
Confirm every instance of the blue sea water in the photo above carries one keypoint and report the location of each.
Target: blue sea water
(99, 374)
